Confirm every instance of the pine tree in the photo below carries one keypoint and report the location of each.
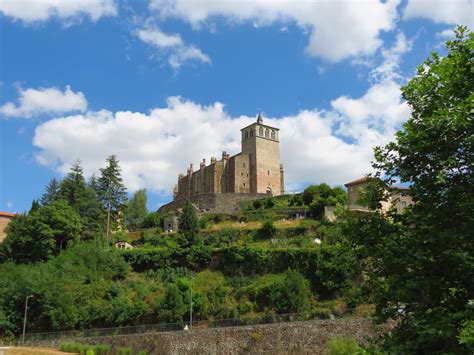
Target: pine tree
(52, 193)
(112, 192)
(73, 187)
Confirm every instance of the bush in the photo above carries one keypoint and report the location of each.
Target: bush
(345, 346)
(124, 351)
(257, 204)
(71, 347)
(102, 349)
(268, 230)
(270, 203)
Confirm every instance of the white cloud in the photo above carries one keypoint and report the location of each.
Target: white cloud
(450, 12)
(154, 147)
(179, 52)
(33, 102)
(337, 30)
(42, 10)
(446, 34)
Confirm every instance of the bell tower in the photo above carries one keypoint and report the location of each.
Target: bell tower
(261, 142)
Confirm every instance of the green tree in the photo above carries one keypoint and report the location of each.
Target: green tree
(172, 308)
(136, 211)
(188, 224)
(73, 187)
(319, 196)
(52, 192)
(112, 192)
(42, 233)
(422, 261)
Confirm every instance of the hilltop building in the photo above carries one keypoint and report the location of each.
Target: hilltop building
(398, 197)
(255, 172)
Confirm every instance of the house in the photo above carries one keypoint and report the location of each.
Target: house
(5, 219)
(398, 197)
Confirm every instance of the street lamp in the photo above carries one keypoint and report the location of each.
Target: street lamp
(24, 319)
(191, 305)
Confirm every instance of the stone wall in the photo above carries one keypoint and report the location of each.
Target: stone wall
(309, 337)
(213, 203)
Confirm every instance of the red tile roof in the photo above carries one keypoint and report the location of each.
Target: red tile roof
(7, 214)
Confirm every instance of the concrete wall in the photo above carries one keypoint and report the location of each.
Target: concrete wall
(310, 337)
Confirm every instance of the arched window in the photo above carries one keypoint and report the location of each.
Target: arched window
(266, 133)
(260, 132)
(251, 132)
(246, 134)
(273, 134)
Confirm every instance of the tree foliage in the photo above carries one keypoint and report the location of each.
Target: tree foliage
(422, 261)
(136, 211)
(42, 233)
(188, 224)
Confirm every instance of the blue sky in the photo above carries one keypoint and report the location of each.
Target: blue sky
(166, 83)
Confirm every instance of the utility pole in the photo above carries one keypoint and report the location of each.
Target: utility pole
(24, 319)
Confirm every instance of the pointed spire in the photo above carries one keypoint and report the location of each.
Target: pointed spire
(259, 118)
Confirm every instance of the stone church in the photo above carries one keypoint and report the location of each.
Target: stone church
(255, 172)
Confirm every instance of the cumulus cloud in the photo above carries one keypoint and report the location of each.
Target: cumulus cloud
(449, 12)
(42, 10)
(173, 45)
(337, 30)
(33, 102)
(154, 147)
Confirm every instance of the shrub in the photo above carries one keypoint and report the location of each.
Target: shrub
(344, 346)
(71, 347)
(270, 202)
(257, 204)
(102, 349)
(268, 230)
(124, 351)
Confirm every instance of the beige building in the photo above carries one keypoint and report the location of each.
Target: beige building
(255, 170)
(397, 196)
(5, 218)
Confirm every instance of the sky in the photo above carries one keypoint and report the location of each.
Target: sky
(165, 83)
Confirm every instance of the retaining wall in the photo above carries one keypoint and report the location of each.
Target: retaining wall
(306, 337)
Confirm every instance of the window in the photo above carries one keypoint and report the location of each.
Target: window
(246, 134)
(241, 174)
(273, 134)
(268, 172)
(266, 133)
(260, 132)
(404, 204)
(244, 165)
(251, 132)
(244, 184)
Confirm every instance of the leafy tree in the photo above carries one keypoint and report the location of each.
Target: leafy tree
(269, 202)
(137, 211)
(172, 308)
(422, 261)
(42, 233)
(319, 196)
(52, 192)
(188, 224)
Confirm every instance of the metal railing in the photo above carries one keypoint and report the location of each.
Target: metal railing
(168, 327)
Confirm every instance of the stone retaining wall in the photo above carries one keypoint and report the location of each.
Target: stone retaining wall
(308, 337)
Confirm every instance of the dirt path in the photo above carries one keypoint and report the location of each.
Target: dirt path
(28, 351)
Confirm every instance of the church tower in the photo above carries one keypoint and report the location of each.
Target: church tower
(261, 142)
